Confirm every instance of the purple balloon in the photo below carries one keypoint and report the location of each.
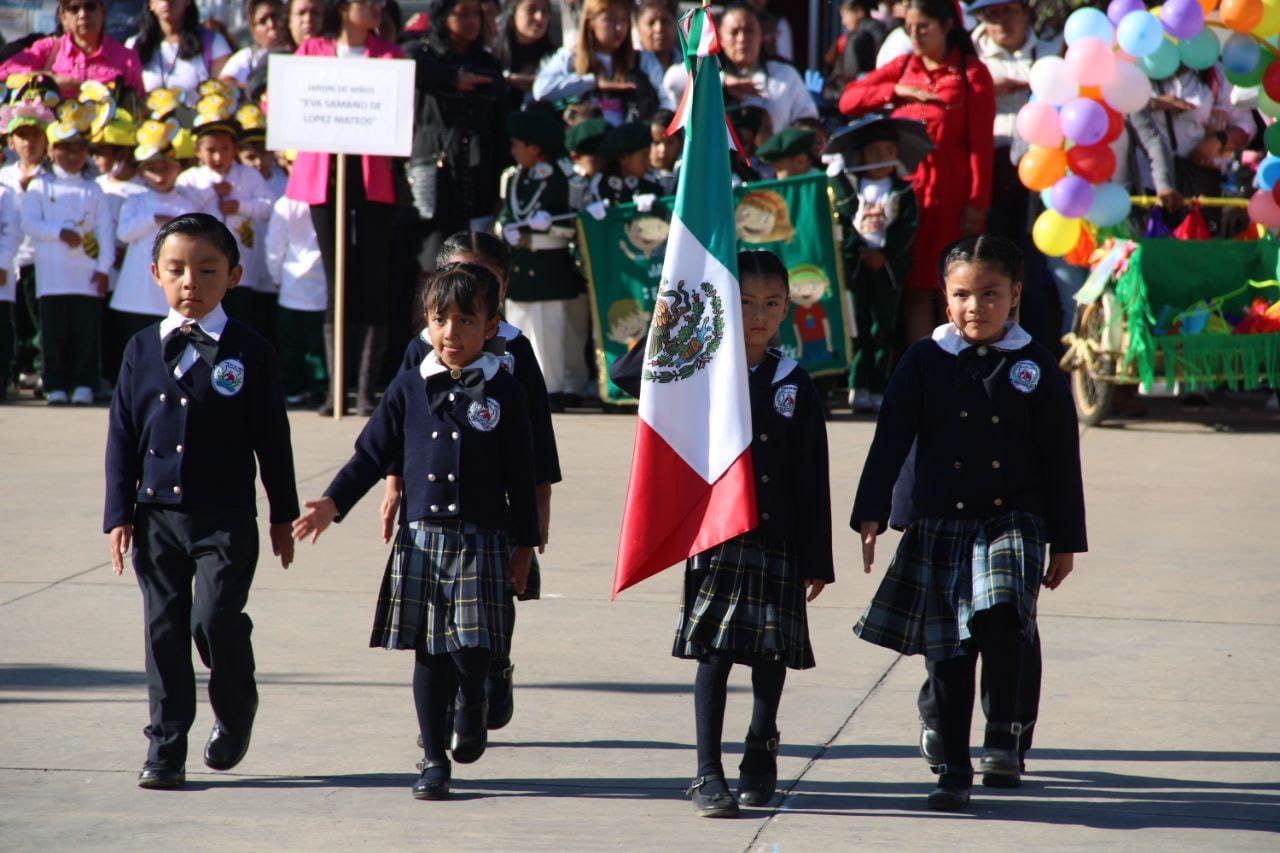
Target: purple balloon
(1182, 19)
(1119, 8)
(1084, 121)
(1071, 196)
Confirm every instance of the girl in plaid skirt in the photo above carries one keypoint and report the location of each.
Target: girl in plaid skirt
(457, 431)
(998, 502)
(744, 600)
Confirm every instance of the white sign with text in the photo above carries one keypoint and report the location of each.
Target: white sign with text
(340, 106)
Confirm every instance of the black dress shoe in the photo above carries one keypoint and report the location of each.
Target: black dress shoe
(758, 772)
(470, 737)
(433, 784)
(500, 693)
(949, 797)
(711, 797)
(162, 776)
(1000, 768)
(931, 748)
(226, 748)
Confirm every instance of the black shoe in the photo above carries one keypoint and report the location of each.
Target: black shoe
(1000, 768)
(162, 776)
(931, 748)
(758, 772)
(433, 784)
(949, 797)
(711, 797)
(470, 737)
(500, 694)
(226, 748)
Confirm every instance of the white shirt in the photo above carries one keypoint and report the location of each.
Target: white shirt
(11, 177)
(785, 97)
(244, 62)
(896, 44)
(249, 224)
(63, 200)
(293, 257)
(556, 80)
(213, 324)
(1011, 65)
(136, 291)
(115, 193)
(167, 70)
(277, 183)
(10, 239)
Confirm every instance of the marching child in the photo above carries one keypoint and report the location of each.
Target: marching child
(198, 400)
(744, 600)
(664, 150)
(251, 150)
(68, 219)
(998, 502)
(458, 431)
(547, 296)
(878, 210)
(517, 358)
(136, 302)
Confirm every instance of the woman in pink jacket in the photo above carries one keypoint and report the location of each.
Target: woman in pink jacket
(348, 31)
(83, 51)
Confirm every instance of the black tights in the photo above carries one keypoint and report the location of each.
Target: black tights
(995, 637)
(710, 692)
(436, 679)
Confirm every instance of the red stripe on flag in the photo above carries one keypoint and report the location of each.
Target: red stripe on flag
(672, 513)
(682, 110)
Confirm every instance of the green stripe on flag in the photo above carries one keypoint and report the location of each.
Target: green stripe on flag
(704, 198)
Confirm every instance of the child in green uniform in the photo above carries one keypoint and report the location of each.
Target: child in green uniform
(788, 153)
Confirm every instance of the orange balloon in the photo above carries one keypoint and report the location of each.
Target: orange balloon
(1079, 256)
(1241, 15)
(1041, 167)
(1208, 6)
(1094, 92)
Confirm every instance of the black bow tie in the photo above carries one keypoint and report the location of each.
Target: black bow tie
(175, 344)
(441, 387)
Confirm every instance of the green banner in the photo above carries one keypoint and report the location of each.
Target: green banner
(622, 255)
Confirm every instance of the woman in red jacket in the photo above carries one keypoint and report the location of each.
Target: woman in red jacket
(943, 83)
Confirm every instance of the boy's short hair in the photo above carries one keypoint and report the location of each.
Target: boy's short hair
(201, 226)
(463, 285)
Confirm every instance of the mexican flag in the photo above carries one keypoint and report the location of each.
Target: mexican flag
(691, 484)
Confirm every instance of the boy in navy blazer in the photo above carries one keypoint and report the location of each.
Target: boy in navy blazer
(199, 397)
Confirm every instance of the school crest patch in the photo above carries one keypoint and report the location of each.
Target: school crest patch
(540, 171)
(228, 377)
(1025, 376)
(784, 400)
(484, 416)
(687, 327)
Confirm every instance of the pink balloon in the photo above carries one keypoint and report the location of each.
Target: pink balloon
(1091, 61)
(1037, 123)
(1264, 210)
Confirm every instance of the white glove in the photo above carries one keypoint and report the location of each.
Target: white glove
(511, 233)
(540, 221)
(644, 201)
(597, 210)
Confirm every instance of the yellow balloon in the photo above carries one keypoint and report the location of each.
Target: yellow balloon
(1270, 23)
(1054, 234)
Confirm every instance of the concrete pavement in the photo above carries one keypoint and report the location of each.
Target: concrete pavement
(1158, 728)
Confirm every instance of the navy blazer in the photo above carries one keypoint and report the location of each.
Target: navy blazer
(995, 430)
(788, 455)
(521, 362)
(188, 444)
(462, 463)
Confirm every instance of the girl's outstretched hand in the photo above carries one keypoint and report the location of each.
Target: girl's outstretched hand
(319, 515)
(869, 530)
(390, 509)
(521, 561)
(815, 588)
(1060, 565)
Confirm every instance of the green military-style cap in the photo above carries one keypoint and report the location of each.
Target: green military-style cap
(625, 139)
(537, 127)
(746, 117)
(788, 143)
(585, 136)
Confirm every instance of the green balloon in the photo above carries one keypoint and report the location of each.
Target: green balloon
(1271, 139)
(1200, 51)
(1266, 105)
(1162, 63)
(1249, 78)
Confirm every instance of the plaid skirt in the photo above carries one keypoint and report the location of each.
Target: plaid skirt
(745, 596)
(446, 588)
(946, 570)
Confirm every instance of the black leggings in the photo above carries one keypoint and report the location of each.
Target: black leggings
(710, 692)
(436, 680)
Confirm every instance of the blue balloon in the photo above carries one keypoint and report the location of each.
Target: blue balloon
(1110, 205)
(1139, 34)
(1163, 62)
(1268, 172)
(1045, 196)
(1240, 54)
(1087, 23)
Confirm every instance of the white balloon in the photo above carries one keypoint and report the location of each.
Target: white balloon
(1052, 81)
(1128, 90)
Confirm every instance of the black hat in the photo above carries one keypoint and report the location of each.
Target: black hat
(537, 127)
(788, 143)
(625, 139)
(746, 117)
(585, 136)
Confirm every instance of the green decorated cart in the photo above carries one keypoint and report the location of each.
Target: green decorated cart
(1175, 309)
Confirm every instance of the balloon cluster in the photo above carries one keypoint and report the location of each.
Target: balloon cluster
(1079, 100)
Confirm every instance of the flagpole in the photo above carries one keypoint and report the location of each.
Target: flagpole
(339, 287)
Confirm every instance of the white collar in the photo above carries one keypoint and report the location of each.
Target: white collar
(949, 338)
(487, 362)
(785, 366)
(59, 172)
(213, 324)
